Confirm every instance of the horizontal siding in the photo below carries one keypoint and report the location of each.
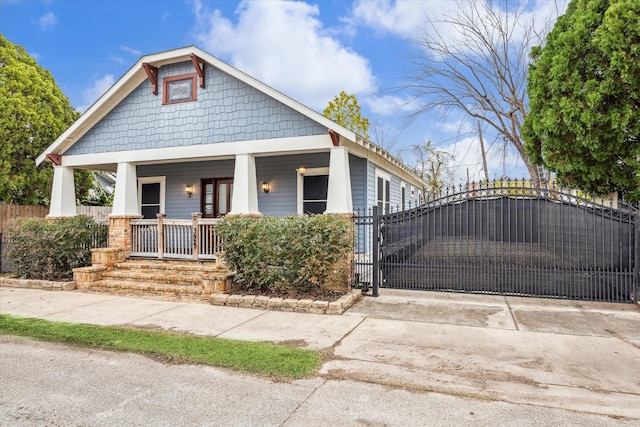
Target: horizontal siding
(282, 176)
(177, 204)
(394, 190)
(371, 184)
(280, 172)
(358, 170)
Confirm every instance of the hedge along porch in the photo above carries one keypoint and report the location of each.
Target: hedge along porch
(187, 133)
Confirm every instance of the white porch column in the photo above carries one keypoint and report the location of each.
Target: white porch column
(63, 193)
(245, 186)
(125, 199)
(339, 199)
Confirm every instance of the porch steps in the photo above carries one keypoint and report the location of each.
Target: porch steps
(167, 278)
(169, 265)
(133, 287)
(153, 276)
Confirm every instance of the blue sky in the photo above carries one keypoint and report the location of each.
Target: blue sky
(309, 50)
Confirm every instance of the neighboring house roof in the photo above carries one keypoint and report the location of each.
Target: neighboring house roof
(106, 180)
(137, 75)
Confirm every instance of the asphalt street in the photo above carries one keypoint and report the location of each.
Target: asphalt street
(405, 358)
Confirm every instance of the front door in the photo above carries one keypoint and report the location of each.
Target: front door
(216, 197)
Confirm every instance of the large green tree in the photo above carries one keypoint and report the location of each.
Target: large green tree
(33, 113)
(584, 92)
(345, 111)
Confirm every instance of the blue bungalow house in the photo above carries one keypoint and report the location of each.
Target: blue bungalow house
(186, 132)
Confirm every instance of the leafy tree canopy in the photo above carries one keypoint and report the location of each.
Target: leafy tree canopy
(33, 113)
(433, 167)
(584, 91)
(345, 111)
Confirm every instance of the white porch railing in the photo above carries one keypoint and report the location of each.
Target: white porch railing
(176, 239)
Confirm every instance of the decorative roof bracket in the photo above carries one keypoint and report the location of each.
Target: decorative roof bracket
(198, 64)
(56, 159)
(335, 138)
(152, 73)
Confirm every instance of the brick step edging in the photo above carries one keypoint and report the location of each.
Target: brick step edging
(45, 285)
(289, 304)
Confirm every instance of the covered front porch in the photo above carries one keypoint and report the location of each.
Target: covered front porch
(168, 209)
(266, 182)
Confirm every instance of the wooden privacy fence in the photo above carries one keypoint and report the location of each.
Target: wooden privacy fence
(98, 213)
(9, 212)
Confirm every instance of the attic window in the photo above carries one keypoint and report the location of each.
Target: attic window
(177, 89)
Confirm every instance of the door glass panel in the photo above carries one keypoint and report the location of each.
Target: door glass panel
(312, 208)
(216, 197)
(314, 198)
(208, 204)
(151, 194)
(150, 200)
(223, 207)
(149, 212)
(315, 187)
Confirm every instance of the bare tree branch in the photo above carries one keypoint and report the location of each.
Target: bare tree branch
(479, 66)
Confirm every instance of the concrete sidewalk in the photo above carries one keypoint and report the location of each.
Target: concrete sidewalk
(565, 354)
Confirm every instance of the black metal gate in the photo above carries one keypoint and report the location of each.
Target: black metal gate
(505, 238)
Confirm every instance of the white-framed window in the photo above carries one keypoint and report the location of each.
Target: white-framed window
(383, 191)
(312, 191)
(403, 195)
(151, 195)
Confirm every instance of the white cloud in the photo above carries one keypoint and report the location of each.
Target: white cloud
(468, 159)
(286, 46)
(117, 59)
(408, 18)
(47, 21)
(388, 105)
(401, 18)
(131, 50)
(91, 95)
(454, 122)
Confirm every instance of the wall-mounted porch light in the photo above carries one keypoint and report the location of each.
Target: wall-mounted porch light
(301, 170)
(189, 190)
(265, 186)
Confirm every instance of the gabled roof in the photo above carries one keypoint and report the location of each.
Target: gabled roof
(137, 75)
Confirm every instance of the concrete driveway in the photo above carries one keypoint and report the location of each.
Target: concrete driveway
(568, 354)
(571, 355)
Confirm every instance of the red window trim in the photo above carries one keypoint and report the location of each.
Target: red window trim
(165, 86)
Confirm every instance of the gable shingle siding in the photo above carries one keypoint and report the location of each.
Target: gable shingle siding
(227, 110)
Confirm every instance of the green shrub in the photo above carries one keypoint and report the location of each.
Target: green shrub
(296, 255)
(48, 249)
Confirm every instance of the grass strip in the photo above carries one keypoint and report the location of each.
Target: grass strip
(262, 358)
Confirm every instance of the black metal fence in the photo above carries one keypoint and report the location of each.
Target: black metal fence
(367, 250)
(505, 238)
